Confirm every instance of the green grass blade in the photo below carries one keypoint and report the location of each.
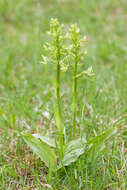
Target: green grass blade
(97, 143)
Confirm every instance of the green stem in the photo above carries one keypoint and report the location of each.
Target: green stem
(59, 110)
(74, 99)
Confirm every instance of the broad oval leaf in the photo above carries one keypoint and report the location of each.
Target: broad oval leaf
(73, 150)
(48, 140)
(42, 149)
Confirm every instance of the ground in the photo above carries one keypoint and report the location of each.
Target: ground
(26, 92)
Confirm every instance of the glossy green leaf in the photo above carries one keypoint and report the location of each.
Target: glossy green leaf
(48, 140)
(73, 150)
(42, 149)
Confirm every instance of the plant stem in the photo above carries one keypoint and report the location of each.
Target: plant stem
(59, 110)
(74, 98)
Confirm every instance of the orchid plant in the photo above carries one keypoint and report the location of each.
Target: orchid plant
(62, 57)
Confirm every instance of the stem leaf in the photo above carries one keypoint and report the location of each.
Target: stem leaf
(58, 119)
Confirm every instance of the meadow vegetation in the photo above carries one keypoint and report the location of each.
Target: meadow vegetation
(27, 94)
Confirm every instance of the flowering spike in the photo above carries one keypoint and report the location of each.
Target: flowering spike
(77, 52)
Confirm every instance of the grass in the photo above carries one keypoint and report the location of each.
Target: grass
(26, 92)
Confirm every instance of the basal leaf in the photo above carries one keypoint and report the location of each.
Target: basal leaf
(73, 150)
(42, 149)
(48, 140)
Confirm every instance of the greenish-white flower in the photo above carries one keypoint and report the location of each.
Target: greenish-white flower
(44, 60)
